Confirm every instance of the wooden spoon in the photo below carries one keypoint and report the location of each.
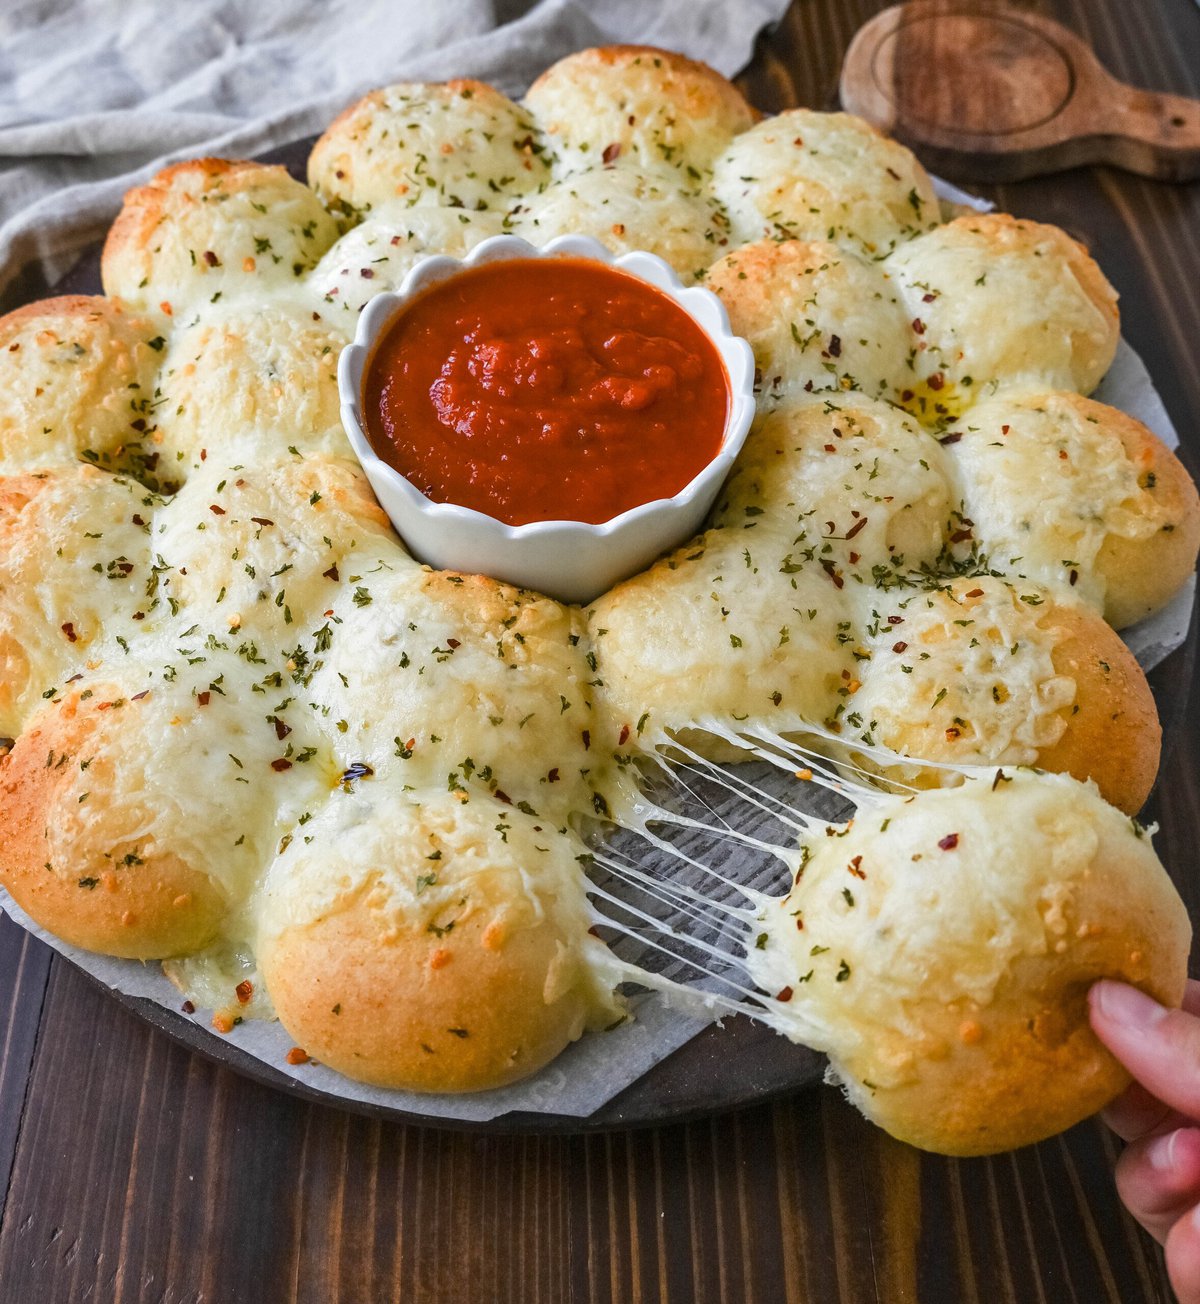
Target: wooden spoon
(997, 94)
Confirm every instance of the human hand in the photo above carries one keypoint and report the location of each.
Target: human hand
(1158, 1175)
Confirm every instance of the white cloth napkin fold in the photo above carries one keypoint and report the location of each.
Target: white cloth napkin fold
(95, 95)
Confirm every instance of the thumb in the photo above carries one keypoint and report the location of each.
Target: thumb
(1159, 1046)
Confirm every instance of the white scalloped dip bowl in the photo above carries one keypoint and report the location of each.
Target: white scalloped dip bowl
(572, 561)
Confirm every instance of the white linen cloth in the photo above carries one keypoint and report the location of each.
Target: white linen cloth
(95, 95)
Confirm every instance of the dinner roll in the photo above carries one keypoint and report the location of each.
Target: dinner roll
(634, 104)
(1072, 494)
(803, 175)
(853, 488)
(377, 254)
(817, 316)
(1001, 300)
(724, 629)
(210, 228)
(977, 671)
(456, 681)
(76, 381)
(627, 209)
(260, 551)
(947, 941)
(460, 145)
(431, 942)
(247, 377)
(123, 812)
(74, 570)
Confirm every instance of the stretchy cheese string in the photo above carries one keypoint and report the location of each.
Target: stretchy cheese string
(699, 921)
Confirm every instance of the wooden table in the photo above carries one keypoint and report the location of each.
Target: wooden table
(135, 1171)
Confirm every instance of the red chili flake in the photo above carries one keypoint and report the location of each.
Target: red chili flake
(623, 736)
(138, 425)
(1005, 429)
(211, 259)
(587, 739)
(951, 438)
(262, 520)
(296, 1056)
(831, 570)
(854, 558)
(784, 995)
(281, 730)
(928, 298)
(138, 615)
(453, 643)
(799, 924)
(858, 525)
(280, 764)
(137, 697)
(331, 573)
(243, 991)
(906, 396)
(835, 346)
(949, 842)
(900, 646)
(961, 536)
(611, 153)
(137, 519)
(366, 273)
(188, 1008)
(895, 620)
(855, 868)
(12, 348)
(204, 454)
(918, 326)
(830, 448)
(974, 593)
(937, 380)
(203, 699)
(552, 777)
(216, 511)
(502, 796)
(69, 630)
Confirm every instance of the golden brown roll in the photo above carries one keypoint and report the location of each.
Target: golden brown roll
(634, 104)
(1001, 300)
(818, 317)
(248, 378)
(946, 945)
(119, 804)
(460, 145)
(76, 381)
(803, 175)
(979, 671)
(74, 569)
(407, 943)
(209, 229)
(1075, 495)
(627, 209)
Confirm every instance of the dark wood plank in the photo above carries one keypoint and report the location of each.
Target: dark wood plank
(142, 1173)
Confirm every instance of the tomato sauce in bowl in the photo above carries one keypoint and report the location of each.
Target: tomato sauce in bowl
(541, 389)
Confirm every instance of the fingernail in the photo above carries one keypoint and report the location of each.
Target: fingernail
(1126, 1005)
(1161, 1152)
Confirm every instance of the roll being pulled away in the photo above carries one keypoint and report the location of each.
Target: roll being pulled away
(939, 948)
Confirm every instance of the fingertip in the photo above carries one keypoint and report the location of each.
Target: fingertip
(1183, 1257)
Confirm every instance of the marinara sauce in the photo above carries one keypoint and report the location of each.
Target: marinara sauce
(545, 389)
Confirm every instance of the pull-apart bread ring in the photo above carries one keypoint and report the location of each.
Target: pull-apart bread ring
(245, 732)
